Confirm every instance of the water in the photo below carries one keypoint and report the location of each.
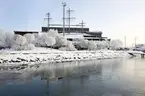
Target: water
(114, 77)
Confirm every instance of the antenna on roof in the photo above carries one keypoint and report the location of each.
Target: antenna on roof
(69, 18)
(82, 25)
(48, 20)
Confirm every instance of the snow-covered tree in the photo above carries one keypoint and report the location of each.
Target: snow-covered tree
(81, 44)
(71, 47)
(6, 39)
(30, 38)
(102, 44)
(2, 39)
(19, 42)
(45, 41)
(52, 41)
(60, 42)
(114, 44)
(68, 47)
(52, 33)
(9, 39)
(92, 45)
(30, 41)
(29, 46)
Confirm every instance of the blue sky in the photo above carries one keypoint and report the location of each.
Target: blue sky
(116, 18)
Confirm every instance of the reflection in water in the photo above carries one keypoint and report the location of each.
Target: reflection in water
(117, 77)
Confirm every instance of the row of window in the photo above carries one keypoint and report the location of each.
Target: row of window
(89, 39)
(71, 29)
(93, 36)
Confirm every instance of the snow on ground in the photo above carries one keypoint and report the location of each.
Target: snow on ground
(46, 55)
(136, 52)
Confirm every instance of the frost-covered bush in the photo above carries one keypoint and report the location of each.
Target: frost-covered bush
(81, 44)
(53, 39)
(20, 43)
(115, 44)
(45, 41)
(9, 39)
(52, 33)
(69, 47)
(6, 39)
(60, 42)
(29, 46)
(102, 44)
(20, 40)
(30, 38)
(92, 45)
(63, 49)
(2, 39)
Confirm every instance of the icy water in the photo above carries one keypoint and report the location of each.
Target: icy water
(114, 77)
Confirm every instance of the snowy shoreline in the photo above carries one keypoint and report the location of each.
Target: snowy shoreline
(9, 58)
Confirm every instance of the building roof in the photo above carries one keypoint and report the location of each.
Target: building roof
(26, 32)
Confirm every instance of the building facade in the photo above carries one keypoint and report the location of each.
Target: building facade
(79, 32)
(25, 32)
(73, 34)
(60, 29)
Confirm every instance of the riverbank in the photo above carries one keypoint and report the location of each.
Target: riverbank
(87, 76)
(53, 56)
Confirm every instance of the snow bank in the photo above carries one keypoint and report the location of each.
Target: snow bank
(136, 52)
(42, 55)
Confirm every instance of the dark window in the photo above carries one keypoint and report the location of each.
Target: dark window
(89, 36)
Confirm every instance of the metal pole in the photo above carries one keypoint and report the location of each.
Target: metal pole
(48, 19)
(69, 20)
(64, 5)
(82, 26)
